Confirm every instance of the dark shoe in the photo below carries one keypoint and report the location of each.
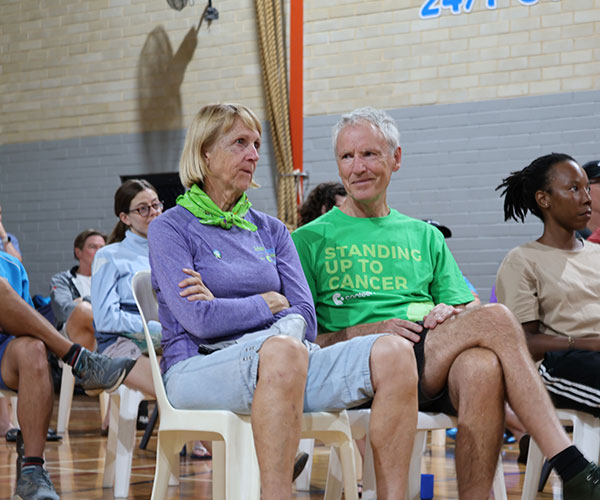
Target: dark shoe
(523, 449)
(35, 484)
(585, 485)
(142, 416)
(96, 372)
(11, 435)
(299, 464)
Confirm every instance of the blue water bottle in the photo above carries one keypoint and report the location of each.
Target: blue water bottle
(426, 486)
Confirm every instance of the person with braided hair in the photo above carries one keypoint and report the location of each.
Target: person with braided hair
(552, 284)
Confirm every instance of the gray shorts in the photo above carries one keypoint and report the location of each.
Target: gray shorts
(123, 348)
(339, 377)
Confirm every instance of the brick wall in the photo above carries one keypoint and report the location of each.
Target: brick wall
(89, 68)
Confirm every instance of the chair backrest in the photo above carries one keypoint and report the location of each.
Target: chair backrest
(145, 298)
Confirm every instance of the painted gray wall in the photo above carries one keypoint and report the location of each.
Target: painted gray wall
(453, 157)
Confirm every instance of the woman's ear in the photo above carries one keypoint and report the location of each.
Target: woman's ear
(541, 198)
(125, 219)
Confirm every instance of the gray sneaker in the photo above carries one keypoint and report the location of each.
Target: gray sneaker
(96, 372)
(35, 484)
(585, 485)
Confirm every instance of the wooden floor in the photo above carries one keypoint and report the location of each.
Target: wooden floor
(76, 465)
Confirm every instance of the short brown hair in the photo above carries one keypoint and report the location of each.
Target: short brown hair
(81, 238)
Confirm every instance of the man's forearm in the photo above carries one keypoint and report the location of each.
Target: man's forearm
(540, 343)
(10, 249)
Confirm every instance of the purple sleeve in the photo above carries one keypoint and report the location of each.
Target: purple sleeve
(170, 252)
(293, 283)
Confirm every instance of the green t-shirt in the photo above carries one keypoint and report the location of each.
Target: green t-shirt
(364, 270)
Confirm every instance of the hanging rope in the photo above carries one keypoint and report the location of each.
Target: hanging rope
(269, 22)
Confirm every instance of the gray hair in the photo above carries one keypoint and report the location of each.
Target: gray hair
(376, 117)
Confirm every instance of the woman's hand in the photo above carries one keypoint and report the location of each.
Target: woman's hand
(194, 288)
(275, 301)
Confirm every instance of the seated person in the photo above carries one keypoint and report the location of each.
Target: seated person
(255, 306)
(70, 291)
(552, 284)
(321, 199)
(9, 242)
(24, 337)
(373, 270)
(592, 169)
(119, 330)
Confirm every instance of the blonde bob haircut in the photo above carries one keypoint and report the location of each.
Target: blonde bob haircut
(209, 124)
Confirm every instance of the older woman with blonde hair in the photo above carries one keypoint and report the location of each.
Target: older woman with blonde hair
(256, 305)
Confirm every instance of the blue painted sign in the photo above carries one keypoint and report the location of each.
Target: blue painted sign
(433, 8)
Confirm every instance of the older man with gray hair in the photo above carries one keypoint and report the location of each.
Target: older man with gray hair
(373, 270)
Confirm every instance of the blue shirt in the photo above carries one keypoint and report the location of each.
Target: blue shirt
(14, 272)
(113, 304)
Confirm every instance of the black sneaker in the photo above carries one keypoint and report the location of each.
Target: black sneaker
(35, 484)
(96, 372)
(584, 486)
(299, 464)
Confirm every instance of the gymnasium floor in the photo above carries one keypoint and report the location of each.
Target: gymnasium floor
(76, 466)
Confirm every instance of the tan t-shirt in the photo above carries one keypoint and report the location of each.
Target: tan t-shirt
(559, 288)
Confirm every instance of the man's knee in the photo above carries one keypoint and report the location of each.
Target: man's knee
(477, 369)
(393, 359)
(284, 358)
(32, 352)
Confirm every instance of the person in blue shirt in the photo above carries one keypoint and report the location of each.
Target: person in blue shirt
(25, 335)
(8, 241)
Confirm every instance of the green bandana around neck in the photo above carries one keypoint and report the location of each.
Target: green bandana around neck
(199, 204)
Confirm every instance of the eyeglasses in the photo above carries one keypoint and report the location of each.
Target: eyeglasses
(144, 210)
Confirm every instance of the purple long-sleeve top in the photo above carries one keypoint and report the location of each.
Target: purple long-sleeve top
(237, 265)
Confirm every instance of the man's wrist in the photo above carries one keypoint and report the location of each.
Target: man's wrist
(5, 239)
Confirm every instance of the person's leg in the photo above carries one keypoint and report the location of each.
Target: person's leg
(476, 388)
(25, 367)
(19, 318)
(493, 327)
(95, 372)
(140, 377)
(80, 326)
(277, 412)
(393, 414)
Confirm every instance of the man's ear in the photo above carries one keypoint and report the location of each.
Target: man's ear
(541, 198)
(397, 158)
(78, 253)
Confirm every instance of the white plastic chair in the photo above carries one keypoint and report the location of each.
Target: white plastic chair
(586, 436)
(359, 421)
(12, 397)
(235, 466)
(65, 399)
(124, 403)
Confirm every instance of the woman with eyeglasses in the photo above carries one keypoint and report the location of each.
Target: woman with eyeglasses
(118, 323)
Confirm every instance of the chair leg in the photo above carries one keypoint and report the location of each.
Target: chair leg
(67, 385)
(414, 471)
(149, 428)
(532, 472)
(334, 484)
(242, 475)
(130, 401)
(499, 485)
(166, 458)
(369, 484)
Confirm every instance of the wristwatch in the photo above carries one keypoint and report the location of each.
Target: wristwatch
(6, 239)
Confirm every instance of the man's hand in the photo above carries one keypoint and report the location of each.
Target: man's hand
(194, 288)
(439, 314)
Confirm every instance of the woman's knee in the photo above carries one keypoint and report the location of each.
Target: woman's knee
(283, 357)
